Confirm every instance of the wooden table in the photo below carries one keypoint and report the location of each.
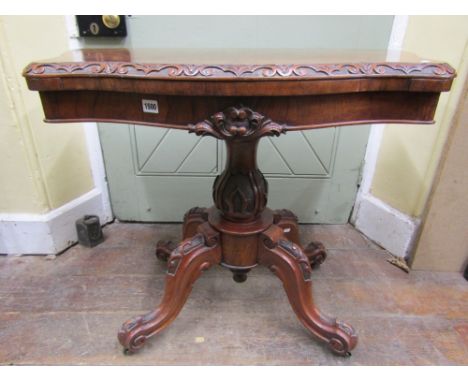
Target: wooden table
(239, 97)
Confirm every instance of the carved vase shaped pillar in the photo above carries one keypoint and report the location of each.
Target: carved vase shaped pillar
(240, 191)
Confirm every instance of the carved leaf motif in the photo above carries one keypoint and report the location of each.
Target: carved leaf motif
(237, 202)
(205, 128)
(256, 71)
(239, 122)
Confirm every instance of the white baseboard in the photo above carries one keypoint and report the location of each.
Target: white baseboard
(50, 233)
(385, 225)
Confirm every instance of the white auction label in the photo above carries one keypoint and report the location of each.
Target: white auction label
(150, 106)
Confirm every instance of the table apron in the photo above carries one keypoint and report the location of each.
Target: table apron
(297, 112)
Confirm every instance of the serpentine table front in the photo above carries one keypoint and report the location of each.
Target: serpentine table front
(239, 97)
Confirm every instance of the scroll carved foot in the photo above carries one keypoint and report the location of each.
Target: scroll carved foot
(287, 260)
(185, 265)
(316, 253)
(164, 249)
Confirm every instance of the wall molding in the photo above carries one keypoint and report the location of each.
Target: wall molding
(49, 233)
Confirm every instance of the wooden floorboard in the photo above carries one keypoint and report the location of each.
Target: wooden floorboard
(67, 310)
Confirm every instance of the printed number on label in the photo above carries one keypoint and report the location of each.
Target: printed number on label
(150, 106)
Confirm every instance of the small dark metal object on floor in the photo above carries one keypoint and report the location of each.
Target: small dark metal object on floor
(89, 231)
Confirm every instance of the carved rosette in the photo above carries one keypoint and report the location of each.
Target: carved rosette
(241, 123)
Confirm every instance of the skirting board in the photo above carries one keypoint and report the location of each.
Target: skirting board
(385, 225)
(50, 233)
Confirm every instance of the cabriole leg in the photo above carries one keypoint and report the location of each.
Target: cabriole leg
(186, 263)
(287, 261)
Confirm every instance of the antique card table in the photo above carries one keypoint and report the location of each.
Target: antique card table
(239, 97)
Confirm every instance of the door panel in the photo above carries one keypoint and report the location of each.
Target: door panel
(299, 153)
(314, 173)
(167, 151)
(157, 174)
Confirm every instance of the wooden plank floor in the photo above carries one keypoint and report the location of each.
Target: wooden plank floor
(68, 310)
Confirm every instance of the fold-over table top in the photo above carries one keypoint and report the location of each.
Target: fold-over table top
(368, 70)
(300, 89)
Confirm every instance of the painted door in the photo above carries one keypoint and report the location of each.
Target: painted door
(157, 174)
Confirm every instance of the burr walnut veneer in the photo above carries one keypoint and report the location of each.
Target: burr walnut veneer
(239, 97)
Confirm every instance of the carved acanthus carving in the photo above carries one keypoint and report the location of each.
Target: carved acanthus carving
(117, 69)
(240, 191)
(239, 122)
